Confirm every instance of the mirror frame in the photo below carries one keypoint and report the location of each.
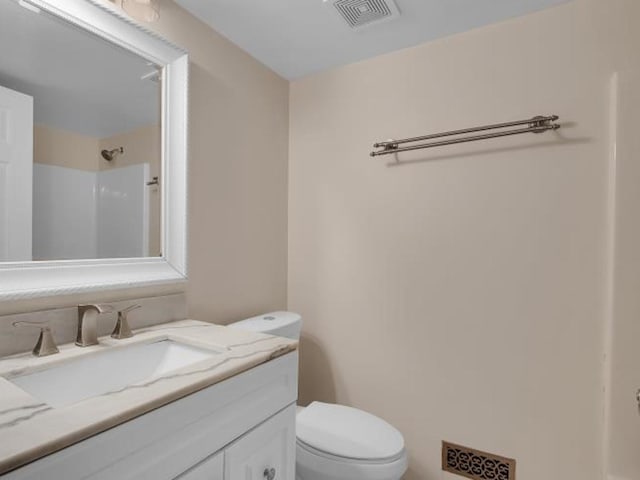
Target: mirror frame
(25, 280)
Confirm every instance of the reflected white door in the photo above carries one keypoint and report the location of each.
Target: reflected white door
(16, 171)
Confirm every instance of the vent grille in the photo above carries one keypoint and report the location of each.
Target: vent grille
(475, 464)
(359, 13)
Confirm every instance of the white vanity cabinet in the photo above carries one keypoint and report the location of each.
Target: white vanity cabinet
(210, 469)
(242, 428)
(265, 453)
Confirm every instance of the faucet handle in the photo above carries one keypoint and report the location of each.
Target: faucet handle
(98, 307)
(130, 308)
(123, 330)
(46, 345)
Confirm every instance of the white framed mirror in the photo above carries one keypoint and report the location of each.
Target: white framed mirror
(93, 151)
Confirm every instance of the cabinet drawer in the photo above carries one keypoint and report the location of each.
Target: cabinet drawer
(265, 453)
(210, 469)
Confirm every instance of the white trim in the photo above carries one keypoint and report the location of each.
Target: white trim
(174, 176)
(42, 279)
(610, 269)
(146, 200)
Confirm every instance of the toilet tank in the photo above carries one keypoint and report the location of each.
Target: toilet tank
(281, 324)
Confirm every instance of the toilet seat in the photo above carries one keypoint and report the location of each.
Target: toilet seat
(338, 442)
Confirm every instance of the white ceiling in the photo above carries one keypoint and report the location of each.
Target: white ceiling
(79, 82)
(299, 37)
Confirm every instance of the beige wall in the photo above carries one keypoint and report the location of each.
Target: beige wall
(461, 295)
(141, 145)
(52, 146)
(238, 127)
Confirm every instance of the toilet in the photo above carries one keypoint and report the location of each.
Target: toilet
(336, 442)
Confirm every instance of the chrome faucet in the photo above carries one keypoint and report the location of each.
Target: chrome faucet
(88, 323)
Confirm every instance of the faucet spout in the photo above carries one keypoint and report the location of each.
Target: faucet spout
(88, 323)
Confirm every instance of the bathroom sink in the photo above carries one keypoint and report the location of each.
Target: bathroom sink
(109, 372)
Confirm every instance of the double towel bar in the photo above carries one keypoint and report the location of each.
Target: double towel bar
(537, 124)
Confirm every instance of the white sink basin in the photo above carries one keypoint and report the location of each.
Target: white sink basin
(111, 371)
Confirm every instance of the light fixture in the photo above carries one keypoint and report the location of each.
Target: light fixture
(145, 10)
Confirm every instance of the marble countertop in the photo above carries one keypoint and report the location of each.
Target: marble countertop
(31, 429)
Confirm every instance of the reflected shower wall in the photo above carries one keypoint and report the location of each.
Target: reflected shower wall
(81, 214)
(85, 206)
(123, 212)
(141, 145)
(64, 213)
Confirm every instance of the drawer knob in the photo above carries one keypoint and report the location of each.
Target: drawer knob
(269, 473)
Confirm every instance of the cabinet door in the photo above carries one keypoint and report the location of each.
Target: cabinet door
(210, 469)
(265, 453)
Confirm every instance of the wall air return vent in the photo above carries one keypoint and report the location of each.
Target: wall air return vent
(475, 464)
(361, 13)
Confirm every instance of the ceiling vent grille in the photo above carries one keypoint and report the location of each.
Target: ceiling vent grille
(360, 13)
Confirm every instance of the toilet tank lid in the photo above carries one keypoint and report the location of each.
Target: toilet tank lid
(348, 432)
(268, 322)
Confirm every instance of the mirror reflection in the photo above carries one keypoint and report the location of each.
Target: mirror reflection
(80, 143)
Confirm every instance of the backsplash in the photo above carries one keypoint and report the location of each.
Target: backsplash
(64, 321)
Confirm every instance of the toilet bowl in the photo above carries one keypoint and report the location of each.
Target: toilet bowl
(336, 442)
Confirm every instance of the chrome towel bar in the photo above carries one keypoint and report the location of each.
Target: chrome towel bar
(537, 124)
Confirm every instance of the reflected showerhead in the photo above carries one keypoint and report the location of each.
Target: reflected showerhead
(109, 155)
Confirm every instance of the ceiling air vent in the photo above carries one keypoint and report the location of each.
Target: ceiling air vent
(360, 13)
